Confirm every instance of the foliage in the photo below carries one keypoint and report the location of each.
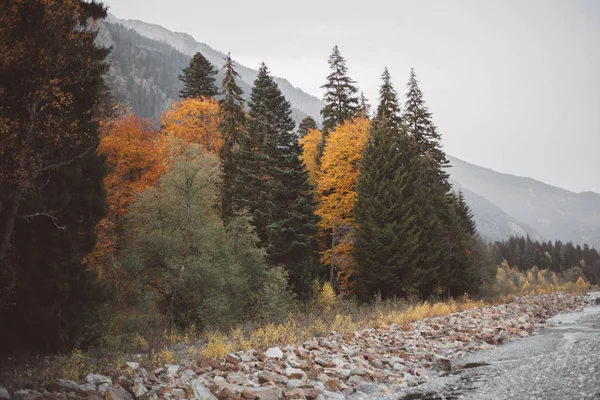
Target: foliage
(312, 144)
(336, 192)
(198, 79)
(231, 126)
(306, 126)
(194, 120)
(341, 102)
(52, 96)
(272, 184)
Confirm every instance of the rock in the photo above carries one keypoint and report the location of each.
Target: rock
(103, 387)
(20, 394)
(235, 378)
(294, 383)
(187, 376)
(232, 358)
(265, 376)
(311, 393)
(226, 394)
(68, 386)
(4, 395)
(357, 371)
(368, 388)
(87, 387)
(442, 363)
(117, 393)
(96, 379)
(274, 352)
(523, 333)
(138, 389)
(200, 391)
(133, 365)
(333, 396)
(172, 369)
(295, 373)
(178, 394)
(295, 394)
(263, 393)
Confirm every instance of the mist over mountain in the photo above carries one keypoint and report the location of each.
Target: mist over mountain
(147, 59)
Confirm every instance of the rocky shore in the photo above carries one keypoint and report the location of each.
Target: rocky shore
(360, 365)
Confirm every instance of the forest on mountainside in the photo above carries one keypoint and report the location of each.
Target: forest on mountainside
(114, 227)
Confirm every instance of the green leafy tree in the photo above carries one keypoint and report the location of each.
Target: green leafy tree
(341, 101)
(271, 182)
(306, 125)
(198, 78)
(231, 125)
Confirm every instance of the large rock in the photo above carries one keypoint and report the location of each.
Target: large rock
(200, 391)
(96, 379)
(274, 352)
(4, 394)
(117, 393)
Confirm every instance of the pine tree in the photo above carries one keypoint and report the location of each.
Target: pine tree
(272, 183)
(198, 78)
(341, 102)
(389, 108)
(419, 123)
(364, 107)
(307, 124)
(231, 125)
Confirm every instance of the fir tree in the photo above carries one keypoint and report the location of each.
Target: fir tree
(419, 123)
(364, 106)
(341, 102)
(198, 78)
(232, 119)
(389, 108)
(307, 124)
(272, 183)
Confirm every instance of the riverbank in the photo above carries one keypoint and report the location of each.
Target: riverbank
(362, 364)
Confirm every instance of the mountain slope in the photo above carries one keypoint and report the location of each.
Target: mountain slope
(303, 103)
(553, 212)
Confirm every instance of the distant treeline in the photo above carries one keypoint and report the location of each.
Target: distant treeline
(524, 253)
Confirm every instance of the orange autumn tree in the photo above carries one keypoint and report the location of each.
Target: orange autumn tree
(311, 144)
(194, 120)
(336, 191)
(131, 146)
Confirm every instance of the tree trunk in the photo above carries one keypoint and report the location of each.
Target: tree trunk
(9, 224)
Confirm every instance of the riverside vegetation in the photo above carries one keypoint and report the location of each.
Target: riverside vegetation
(223, 226)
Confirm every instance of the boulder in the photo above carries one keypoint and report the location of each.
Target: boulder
(295, 394)
(118, 393)
(200, 391)
(274, 352)
(96, 379)
(4, 395)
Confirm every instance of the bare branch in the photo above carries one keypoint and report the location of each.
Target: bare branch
(62, 164)
(49, 214)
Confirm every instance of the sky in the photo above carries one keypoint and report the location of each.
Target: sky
(513, 85)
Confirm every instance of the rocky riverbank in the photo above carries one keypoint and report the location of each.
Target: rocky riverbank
(359, 365)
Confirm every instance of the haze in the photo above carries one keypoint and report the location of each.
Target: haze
(513, 85)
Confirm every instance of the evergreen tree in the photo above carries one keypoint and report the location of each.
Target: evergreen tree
(198, 78)
(341, 102)
(364, 107)
(307, 124)
(232, 119)
(389, 108)
(272, 183)
(419, 123)
(51, 192)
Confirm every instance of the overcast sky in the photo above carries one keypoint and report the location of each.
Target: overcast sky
(513, 85)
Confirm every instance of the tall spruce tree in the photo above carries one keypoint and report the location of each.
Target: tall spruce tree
(306, 125)
(198, 78)
(420, 125)
(51, 192)
(395, 256)
(231, 125)
(389, 108)
(272, 183)
(341, 102)
(364, 107)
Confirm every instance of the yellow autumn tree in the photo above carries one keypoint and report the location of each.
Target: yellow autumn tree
(194, 120)
(336, 191)
(131, 147)
(311, 144)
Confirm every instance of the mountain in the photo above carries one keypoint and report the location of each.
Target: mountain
(146, 60)
(554, 213)
(303, 104)
(493, 224)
